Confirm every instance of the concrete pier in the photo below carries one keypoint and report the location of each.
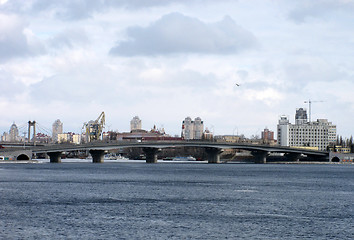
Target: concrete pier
(55, 157)
(97, 156)
(260, 156)
(151, 154)
(213, 154)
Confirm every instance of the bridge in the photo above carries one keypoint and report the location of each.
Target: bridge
(151, 150)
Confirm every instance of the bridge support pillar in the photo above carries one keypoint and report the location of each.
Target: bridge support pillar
(55, 157)
(213, 154)
(151, 154)
(97, 156)
(293, 157)
(260, 156)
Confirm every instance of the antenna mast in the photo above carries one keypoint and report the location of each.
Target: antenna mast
(310, 102)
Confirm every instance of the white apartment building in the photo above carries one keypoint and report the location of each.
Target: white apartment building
(317, 134)
(192, 129)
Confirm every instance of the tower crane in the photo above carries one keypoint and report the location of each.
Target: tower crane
(94, 128)
(310, 102)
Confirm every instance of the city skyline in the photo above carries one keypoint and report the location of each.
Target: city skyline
(233, 65)
(186, 126)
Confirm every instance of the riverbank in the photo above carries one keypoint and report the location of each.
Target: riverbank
(19, 161)
(161, 161)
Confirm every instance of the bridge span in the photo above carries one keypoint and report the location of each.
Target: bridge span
(151, 149)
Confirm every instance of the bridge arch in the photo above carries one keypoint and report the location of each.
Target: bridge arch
(22, 157)
(335, 159)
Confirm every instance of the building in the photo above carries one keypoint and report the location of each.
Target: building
(267, 135)
(42, 138)
(192, 129)
(208, 135)
(187, 128)
(317, 134)
(198, 128)
(69, 138)
(340, 149)
(13, 133)
(228, 138)
(63, 138)
(76, 138)
(5, 137)
(57, 128)
(135, 124)
(300, 116)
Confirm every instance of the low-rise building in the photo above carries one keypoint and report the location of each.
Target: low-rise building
(228, 138)
(69, 138)
(5, 137)
(43, 138)
(340, 149)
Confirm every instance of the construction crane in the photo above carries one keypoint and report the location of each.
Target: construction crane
(310, 102)
(94, 128)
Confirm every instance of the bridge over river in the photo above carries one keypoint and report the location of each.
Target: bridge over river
(151, 150)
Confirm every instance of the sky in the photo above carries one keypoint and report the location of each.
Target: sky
(164, 60)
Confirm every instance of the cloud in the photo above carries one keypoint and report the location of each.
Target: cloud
(242, 74)
(16, 40)
(104, 87)
(9, 86)
(79, 9)
(319, 9)
(189, 65)
(176, 33)
(303, 70)
(65, 9)
(71, 87)
(69, 38)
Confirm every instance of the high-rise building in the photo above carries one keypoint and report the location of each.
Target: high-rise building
(317, 134)
(192, 129)
(135, 124)
(187, 128)
(13, 133)
(300, 116)
(198, 128)
(57, 128)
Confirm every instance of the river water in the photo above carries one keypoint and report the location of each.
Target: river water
(176, 201)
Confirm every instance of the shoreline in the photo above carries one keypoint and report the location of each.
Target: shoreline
(135, 161)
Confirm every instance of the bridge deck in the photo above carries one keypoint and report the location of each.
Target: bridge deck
(171, 144)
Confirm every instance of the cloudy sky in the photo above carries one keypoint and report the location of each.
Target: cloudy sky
(164, 60)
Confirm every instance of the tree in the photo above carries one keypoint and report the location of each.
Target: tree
(351, 140)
